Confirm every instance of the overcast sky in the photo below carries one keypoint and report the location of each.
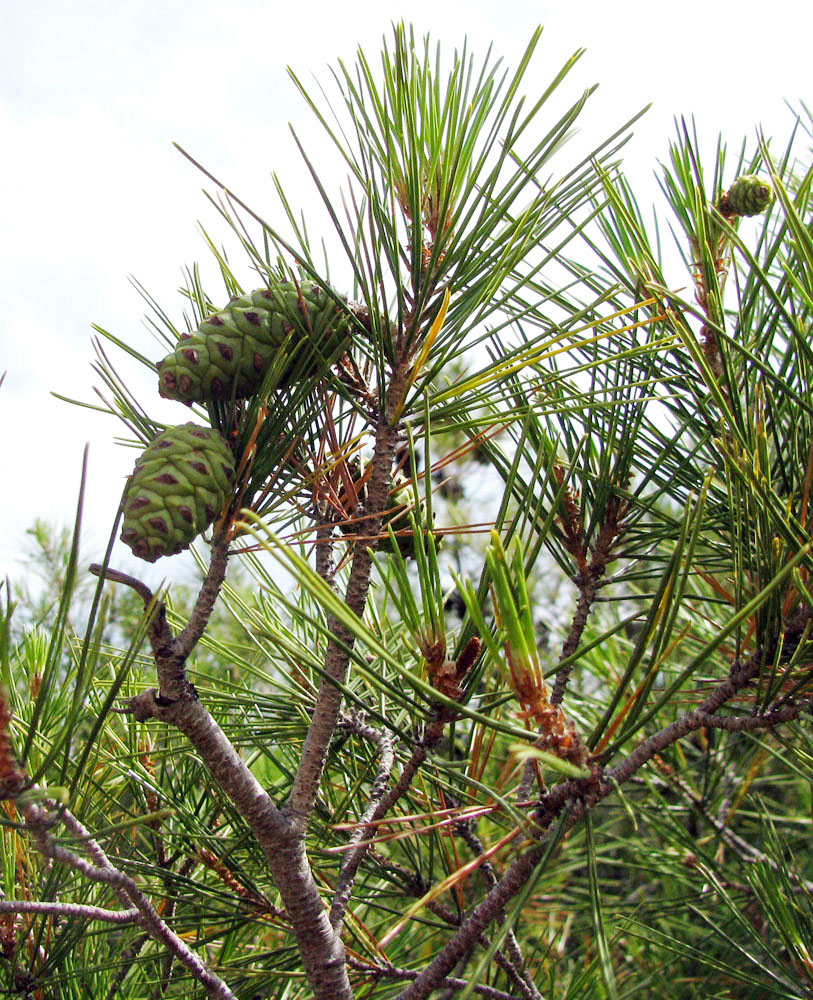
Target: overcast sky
(93, 93)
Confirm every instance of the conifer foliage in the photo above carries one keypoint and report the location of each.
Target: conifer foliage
(564, 754)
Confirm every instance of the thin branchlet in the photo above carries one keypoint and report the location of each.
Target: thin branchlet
(337, 656)
(40, 820)
(352, 859)
(378, 972)
(465, 830)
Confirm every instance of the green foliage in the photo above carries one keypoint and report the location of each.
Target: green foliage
(650, 452)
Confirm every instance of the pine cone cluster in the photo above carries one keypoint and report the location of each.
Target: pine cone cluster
(183, 479)
(179, 485)
(230, 352)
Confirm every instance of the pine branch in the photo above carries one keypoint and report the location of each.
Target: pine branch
(383, 807)
(353, 858)
(703, 717)
(589, 581)
(70, 911)
(582, 795)
(745, 852)
(337, 656)
(176, 703)
(40, 820)
(378, 972)
(465, 830)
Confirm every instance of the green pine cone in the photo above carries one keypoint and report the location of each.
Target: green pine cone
(178, 486)
(750, 195)
(401, 501)
(230, 352)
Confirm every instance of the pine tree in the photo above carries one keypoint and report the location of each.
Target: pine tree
(557, 748)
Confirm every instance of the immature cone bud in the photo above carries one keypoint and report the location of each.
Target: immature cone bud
(400, 501)
(230, 352)
(179, 485)
(750, 195)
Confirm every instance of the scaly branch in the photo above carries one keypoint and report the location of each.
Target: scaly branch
(582, 795)
(39, 820)
(337, 657)
(352, 859)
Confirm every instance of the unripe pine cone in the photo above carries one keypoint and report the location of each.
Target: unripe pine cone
(401, 501)
(230, 352)
(178, 486)
(750, 195)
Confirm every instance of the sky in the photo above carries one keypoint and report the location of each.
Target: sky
(93, 94)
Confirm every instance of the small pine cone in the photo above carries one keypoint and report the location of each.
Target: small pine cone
(750, 195)
(230, 352)
(401, 501)
(178, 487)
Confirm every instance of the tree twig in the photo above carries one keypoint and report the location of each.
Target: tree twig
(71, 911)
(40, 821)
(745, 851)
(352, 859)
(465, 829)
(337, 656)
(382, 808)
(450, 982)
(589, 580)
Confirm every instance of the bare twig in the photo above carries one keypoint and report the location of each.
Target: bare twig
(465, 829)
(72, 911)
(353, 860)
(391, 972)
(115, 576)
(745, 851)
(589, 580)
(40, 820)
(337, 656)
(160, 634)
(350, 864)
